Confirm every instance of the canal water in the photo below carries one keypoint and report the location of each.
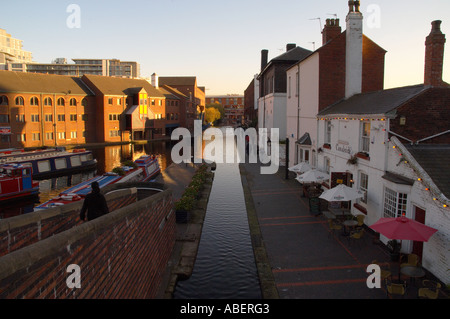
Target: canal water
(225, 266)
(107, 157)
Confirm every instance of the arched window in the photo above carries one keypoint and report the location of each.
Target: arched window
(34, 101)
(73, 102)
(19, 100)
(60, 102)
(48, 101)
(4, 100)
(84, 102)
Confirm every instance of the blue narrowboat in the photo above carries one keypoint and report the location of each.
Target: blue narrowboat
(51, 162)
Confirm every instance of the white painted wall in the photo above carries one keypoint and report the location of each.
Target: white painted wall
(302, 121)
(436, 253)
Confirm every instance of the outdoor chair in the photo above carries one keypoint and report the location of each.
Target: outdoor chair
(395, 289)
(360, 219)
(413, 260)
(333, 226)
(431, 291)
(356, 235)
(384, 273)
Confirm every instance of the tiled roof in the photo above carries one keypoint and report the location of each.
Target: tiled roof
(434, 159)
(122, 86)
(41, 83)
(378, 102)
(177, 80)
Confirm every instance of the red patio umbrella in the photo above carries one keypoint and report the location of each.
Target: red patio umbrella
(403, 228)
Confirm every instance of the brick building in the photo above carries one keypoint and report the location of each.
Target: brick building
(347, 63)
(233, 106)
(49, 110)
(45, 110)
(251, 94)
(394, 145)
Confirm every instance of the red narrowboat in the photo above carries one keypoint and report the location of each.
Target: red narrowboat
(16, 182)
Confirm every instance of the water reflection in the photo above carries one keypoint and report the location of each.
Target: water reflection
(225, 266)
(107, 157)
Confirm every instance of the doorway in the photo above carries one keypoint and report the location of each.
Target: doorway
(419, 217)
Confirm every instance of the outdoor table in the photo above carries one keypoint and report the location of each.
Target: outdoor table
(349, 223)
(413, 272)
(329, 215)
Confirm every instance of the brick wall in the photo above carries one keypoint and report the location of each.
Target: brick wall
(20, 231)
(425, 115)
(332, 69)
(121, 255)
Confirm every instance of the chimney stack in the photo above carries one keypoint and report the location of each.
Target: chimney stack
(155, 80)
(434, 55)
(331, 30)
(353, 50)
(290, 46)
(264, 57)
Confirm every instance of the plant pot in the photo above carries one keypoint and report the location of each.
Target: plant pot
(182, 216)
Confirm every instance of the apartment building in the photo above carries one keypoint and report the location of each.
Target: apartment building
(12, 55)
(233, 105)
(49, 110)
(80, 67)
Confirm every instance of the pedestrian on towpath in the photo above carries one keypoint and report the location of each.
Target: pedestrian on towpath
(94, 203)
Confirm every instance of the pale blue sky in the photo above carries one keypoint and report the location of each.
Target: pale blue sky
(219, 41)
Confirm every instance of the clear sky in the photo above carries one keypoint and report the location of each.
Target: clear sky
(219, 41)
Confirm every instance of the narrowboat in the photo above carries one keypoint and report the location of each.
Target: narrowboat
(51, 162)
(146, 169)
(16, 182)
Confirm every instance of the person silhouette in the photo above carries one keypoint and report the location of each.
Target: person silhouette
(94, 203)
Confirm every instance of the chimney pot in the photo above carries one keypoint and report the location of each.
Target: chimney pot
(290, 46)
(434, 55)
(264, 57)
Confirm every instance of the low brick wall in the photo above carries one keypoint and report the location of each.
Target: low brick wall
(120, 255)
(20, 231)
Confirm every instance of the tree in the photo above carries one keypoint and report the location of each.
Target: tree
(212, 114)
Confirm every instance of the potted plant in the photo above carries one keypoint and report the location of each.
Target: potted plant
(363, 155)
(182, 208)
(353, 160)
(394, 249)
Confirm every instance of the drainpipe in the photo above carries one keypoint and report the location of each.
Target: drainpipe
(298, 111)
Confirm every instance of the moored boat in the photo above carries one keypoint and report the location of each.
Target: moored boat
(16, 182)
(144, 169)
(50, 162)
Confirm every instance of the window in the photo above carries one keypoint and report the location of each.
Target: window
(73, 134)
(327, 132)
(363, 185)
(49, 136)
(61, 117)
(84, 102)
(110, 101)
(365, 137)
(289, 87)
(48, 117)
(19, 100)
(4, 118)
(36, 137)
(4, 100)
(21, 137)
(297, 86)
(326, 162)
(62, 135)
(73, 117)
(60, 102)
(34, 117)
(34, 101)
(114, 133)
(394, 203)
(73, 102)
(84, 117)
(48, 101)
(20, 118)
